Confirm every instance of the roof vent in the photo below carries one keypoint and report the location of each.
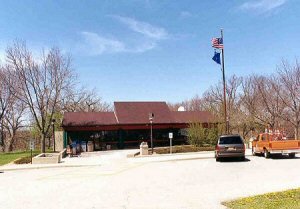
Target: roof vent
(180, 109)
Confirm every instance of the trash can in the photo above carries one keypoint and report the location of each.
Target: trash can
(97, 145)
(74, 150)
(90, 146)
(78, 148)
(144, 148)
(83, 146)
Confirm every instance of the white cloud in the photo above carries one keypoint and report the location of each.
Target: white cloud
(96, 44)
(262, 5)
(144, 28)
(186, 14)
(145, 46)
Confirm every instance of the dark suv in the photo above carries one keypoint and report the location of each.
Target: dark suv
(230, 146)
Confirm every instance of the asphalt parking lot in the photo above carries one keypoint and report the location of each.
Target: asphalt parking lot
(176, 184)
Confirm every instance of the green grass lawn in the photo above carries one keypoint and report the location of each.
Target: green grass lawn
(11, 156)
(289, 199)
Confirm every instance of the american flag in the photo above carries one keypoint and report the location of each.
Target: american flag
(217, 43)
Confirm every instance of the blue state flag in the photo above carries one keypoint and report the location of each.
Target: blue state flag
(217, 58)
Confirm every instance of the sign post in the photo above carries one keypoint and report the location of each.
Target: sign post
(170, 137)
(31, 145)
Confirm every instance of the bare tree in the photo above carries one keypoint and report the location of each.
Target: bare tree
(42, 82)
(14, 114)
(233, 102)
(270, 106)
(214, 102)
(5, 100)
(251, 106)
(5, 93)
(288, 90)
(193, 104)
(260, 103)
(255, 102)
(13, 122)
(84, 100)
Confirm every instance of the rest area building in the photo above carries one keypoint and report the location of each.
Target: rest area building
(129, 125)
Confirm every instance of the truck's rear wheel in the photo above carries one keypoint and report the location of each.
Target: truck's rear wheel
(292, 155)
(266, 153)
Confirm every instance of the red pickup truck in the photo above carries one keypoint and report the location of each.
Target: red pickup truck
(272, 143)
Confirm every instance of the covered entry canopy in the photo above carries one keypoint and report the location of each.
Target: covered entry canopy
(129, 122)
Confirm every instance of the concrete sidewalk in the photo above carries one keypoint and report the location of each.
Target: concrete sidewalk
(111, 158)
(66, 162)
(87, 159)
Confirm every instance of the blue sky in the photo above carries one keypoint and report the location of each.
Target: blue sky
(156, 49)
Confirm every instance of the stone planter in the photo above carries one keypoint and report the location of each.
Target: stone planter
(48, 158)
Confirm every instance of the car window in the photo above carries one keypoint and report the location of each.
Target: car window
(231, 140)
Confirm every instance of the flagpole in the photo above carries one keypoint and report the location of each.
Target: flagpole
(224, 87)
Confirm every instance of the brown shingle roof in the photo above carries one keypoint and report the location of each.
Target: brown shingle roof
(138, 112)
(89, 118)
(192, 116)
(135, 113)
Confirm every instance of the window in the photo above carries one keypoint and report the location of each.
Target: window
(231, 140)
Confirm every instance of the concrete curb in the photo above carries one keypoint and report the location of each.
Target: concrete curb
(176, 154)
(45, 167)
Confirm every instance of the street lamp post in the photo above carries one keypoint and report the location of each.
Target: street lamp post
(53, 134)
(151, 118)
